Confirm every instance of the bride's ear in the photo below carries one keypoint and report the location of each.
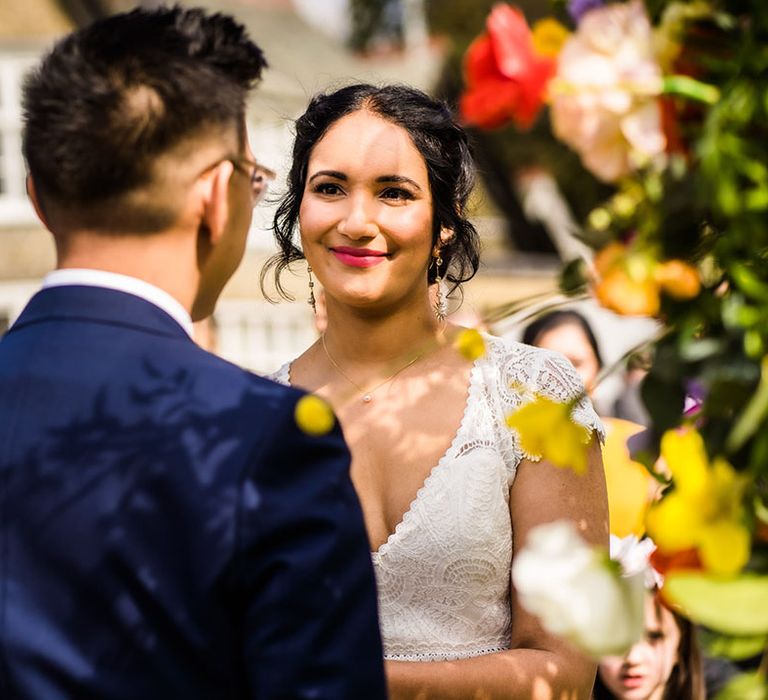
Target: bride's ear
(445, 237)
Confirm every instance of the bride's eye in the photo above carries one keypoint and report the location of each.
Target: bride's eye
(327, 188)
(396, 193)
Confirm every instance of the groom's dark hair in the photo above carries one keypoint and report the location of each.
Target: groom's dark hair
(110, 98)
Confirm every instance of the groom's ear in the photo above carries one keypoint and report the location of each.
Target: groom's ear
(216, 204)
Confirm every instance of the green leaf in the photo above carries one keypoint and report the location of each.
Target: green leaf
(732, 647)
(736, 606)
(749, 282)
(753, 414)
(697, 350)
(573, 277)
(753, 343)
(746, 686)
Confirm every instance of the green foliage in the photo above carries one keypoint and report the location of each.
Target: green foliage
(733, 647)
(701, 210)
(737, 606)
(747, 686)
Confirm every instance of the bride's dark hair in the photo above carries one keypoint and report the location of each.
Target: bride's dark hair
(440, 141)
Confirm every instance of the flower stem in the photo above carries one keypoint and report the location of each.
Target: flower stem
(693, 89)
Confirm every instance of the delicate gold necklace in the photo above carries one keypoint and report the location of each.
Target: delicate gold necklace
(367, 396)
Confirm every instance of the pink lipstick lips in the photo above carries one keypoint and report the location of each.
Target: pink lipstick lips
(358, 257)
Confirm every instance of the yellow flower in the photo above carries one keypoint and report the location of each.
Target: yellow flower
(546, 430)
(548, 37)
(705, 510)
(470, 344)
(313, 415)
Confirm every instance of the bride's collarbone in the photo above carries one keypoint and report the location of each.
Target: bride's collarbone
(398, 441)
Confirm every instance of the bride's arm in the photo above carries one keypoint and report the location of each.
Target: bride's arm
(539, 666)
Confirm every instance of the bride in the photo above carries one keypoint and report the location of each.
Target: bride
(378, 190)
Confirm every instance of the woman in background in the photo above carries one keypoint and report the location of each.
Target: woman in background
(378, 192)
(569, 333)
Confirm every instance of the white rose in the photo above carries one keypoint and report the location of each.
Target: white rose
(576, 592)
(634, 557)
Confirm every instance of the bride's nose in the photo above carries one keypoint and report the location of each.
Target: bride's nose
(359, 220)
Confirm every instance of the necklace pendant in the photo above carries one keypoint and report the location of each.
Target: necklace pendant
(367, 398)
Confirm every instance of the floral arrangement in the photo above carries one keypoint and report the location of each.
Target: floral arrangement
(667, 102)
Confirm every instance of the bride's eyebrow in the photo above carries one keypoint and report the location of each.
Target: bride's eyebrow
(399, 179)
(336, 174)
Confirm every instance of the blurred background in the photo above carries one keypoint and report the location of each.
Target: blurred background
(525, 220)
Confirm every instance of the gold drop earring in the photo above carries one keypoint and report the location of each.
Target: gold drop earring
(311, 300)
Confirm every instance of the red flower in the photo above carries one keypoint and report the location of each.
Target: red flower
(506, 79)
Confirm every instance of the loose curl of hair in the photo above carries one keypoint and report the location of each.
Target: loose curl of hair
(438, 138)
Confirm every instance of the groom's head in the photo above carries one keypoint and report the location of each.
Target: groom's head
(135, 140)
(116, 113)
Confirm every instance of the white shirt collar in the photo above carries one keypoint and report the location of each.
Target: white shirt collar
(122, 283)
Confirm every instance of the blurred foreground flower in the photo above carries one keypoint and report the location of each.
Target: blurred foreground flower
(577, 592)
(313, 415)
(604, 98)
(470, 344)
(705, 510)
(547, 431)
(634, 556)
(506, 76)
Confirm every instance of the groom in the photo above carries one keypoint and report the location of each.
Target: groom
(166, 530)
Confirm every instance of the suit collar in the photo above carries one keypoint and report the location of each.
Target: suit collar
(122, 283)
(99, 305)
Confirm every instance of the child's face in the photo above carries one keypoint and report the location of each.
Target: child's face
(643, 672)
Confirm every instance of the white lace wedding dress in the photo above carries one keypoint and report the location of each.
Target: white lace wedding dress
(443, 576)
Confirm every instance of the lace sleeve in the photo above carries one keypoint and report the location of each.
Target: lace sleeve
(558, 380)
(526, 371)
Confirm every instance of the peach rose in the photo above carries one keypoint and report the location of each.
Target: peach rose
(605, 93)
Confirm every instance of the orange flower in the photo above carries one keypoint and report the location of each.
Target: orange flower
(629, 282)
(608, 257)
(621, 293)
(678, 279)
(506, 78)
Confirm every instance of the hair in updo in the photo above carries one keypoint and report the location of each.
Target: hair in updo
(441, 142)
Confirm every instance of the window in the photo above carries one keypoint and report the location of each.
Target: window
(14, 206)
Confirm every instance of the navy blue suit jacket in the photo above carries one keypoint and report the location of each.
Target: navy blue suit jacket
(166, 530)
